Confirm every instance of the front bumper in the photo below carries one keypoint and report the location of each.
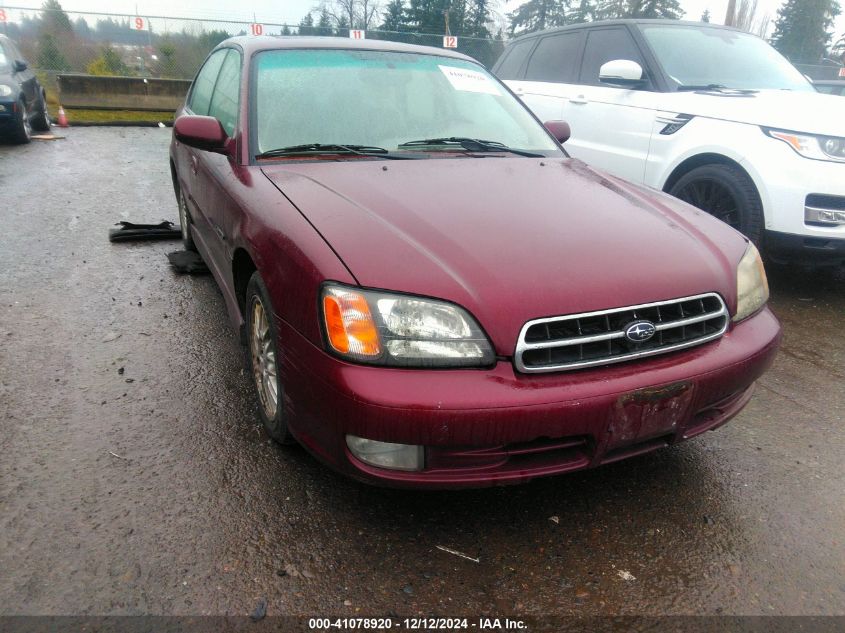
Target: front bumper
(788, 247)
(785, 180)
(8, 115)
(486, 427)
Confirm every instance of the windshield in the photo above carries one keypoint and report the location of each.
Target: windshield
(702, 56)
(4, 61)
(384, 99)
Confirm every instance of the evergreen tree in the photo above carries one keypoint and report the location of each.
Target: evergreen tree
(705, 17)
(54, 19)
(306, 25)
(585, 11)
(428, 16)
(536, 15)
(610, 9)
(108, 63)
(394, 16)
(285, 30)
(802, 31)
(324, 25)
(650, 9)
(49, 55)
(342, 27)
(476, 19)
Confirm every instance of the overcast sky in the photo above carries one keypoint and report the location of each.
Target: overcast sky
(290, 11)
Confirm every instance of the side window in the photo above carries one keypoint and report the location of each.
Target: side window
(555, 59)
(604, 45)
(224, 100)
(204, 83)
(515, 55)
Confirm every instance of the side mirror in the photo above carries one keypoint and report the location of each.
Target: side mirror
(559, 129)
(621, 72)
(202, 132)
(20, 66)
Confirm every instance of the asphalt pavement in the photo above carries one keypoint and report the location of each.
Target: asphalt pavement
(135, 477)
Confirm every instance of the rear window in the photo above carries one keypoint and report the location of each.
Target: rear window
(513, 60)
(555, 59)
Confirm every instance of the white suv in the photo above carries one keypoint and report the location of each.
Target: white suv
(710, 114)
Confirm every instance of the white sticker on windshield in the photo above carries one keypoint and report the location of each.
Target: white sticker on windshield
(469, 80)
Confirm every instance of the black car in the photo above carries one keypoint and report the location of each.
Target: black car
(830, 86)
(23, 102)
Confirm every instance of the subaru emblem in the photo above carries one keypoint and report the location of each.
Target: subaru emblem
(640, 331)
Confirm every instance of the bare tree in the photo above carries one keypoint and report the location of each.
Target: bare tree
(743, 15)
(358, 14)
(730, 14)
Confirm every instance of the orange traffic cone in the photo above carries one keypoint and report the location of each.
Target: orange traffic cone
(62, 120)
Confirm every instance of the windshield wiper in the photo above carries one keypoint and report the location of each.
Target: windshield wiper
(313, 149)
(470, 144)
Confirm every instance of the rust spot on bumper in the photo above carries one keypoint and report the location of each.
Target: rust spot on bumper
(649, 412)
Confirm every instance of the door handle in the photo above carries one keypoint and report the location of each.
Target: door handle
(579, 100)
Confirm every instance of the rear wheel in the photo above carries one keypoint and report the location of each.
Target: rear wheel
(41, 121)
(22, 132)
(185, 222)
(263, 359)
(725, 192)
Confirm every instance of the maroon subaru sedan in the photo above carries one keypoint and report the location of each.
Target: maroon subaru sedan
(431, 293)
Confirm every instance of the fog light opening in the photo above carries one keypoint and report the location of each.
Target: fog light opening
(409, 457)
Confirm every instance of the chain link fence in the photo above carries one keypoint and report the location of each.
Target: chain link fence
(61, 42)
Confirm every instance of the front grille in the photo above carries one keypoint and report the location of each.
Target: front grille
(598, 338)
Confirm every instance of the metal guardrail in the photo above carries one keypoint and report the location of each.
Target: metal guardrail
(95, 92)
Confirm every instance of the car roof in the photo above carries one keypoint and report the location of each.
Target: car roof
(251, 45)
(631, 22)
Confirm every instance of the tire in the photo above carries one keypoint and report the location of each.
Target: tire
(185, 221)
(262, 359)
(725, 192)
(22, 132)
(41, 121)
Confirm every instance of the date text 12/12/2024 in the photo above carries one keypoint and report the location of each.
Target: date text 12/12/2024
(417, 624)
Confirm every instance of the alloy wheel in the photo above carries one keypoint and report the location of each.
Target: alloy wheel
(263, 355)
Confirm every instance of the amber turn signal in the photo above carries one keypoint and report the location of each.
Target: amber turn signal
(349, 324)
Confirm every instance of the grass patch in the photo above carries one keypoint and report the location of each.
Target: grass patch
(115, 116)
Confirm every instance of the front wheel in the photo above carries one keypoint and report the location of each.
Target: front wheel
(725, 192)
(22, 132)
(263, 359)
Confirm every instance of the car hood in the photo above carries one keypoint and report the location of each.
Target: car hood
(811, 112)
(511, 239)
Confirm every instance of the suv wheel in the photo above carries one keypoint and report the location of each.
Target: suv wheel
(725, 192)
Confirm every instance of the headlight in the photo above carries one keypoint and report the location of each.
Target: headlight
(752, 288)
(391, 329)
(811, 146)
(5, 90)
